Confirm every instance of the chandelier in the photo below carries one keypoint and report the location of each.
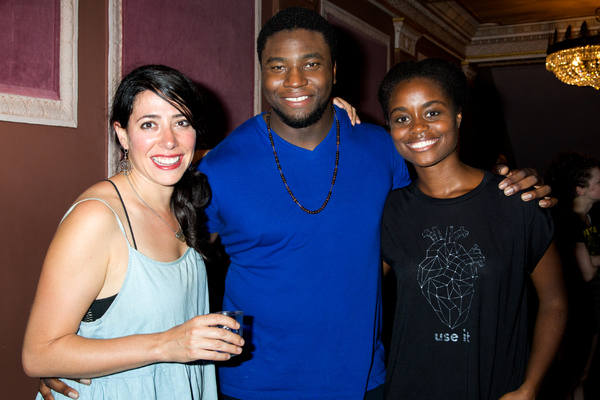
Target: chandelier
(575, 61)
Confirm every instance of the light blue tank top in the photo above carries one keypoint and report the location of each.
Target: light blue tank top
(155, 297)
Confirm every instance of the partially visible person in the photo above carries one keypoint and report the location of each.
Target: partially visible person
(462, 255)
(122, 296)
(575, 178)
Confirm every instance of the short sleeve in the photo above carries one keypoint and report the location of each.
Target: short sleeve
(540, 233)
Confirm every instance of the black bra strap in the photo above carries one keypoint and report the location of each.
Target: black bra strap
(126, 214)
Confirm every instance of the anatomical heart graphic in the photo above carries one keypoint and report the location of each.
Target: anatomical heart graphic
(447, 275)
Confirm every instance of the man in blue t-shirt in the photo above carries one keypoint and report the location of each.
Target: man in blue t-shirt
(298, 194)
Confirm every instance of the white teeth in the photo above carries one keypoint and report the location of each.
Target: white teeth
(301, 98)
(166, 161)
(420, 145)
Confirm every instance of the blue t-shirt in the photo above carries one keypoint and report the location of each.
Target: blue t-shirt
(310, 284)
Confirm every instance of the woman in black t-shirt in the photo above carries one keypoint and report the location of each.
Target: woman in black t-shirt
(462, 253)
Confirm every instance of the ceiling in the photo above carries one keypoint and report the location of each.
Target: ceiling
(508, 12)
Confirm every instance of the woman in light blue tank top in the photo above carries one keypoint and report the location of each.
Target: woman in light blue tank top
(122, 296)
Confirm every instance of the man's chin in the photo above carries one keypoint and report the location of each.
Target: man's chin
(303, 120)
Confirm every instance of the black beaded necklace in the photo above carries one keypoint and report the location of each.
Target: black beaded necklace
(337, 159)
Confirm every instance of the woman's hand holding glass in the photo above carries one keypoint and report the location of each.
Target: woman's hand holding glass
(199, 338)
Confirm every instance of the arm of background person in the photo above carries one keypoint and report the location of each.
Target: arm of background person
(550, 323)
(522, 179)
(584, 261)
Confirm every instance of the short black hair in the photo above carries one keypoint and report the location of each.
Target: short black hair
(566, 172)
(292, 18)
(446, 76)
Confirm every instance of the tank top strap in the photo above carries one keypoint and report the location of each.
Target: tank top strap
(124, 209)
(95, 198)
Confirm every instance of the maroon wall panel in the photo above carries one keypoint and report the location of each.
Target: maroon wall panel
(29, 46)
(211, 41)
(361, 66)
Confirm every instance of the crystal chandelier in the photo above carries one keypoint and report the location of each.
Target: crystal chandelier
(575, 61)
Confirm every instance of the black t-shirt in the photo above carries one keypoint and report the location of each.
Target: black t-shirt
(462, 264)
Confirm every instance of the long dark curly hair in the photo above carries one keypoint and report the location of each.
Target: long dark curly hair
(192, 193)
(566, 172)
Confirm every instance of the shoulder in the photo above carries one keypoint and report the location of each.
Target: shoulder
(363, 131)
(368, 131)
(239, 142)
(93, 209)
(399, 199)
(242, 133)
(515, 199)
(513, 208)
(489, 190)
(368, 127)
(368, 139)
(89, 233)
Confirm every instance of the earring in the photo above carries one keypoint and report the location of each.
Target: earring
(125, 166)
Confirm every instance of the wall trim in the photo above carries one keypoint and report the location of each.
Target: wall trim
(115, 66)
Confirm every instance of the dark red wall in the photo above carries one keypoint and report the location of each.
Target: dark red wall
(362, 60)
(42, 170)
(30, 48)
(210, 41)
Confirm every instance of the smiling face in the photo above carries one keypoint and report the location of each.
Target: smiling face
(592, 191)
(159, 138)
(297, 76)
(423, 123)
